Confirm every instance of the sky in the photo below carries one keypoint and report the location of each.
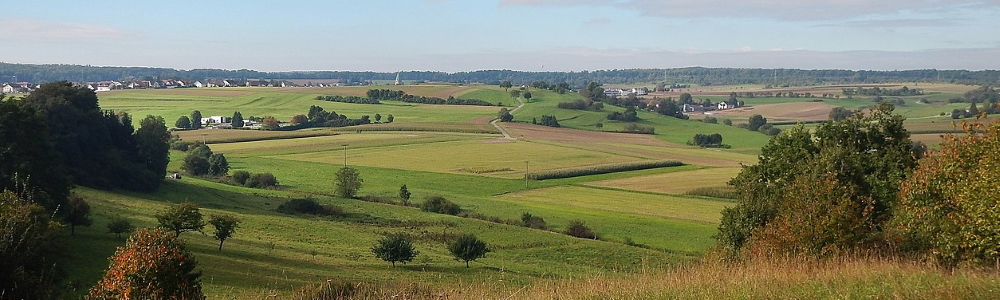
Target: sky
(528, 35)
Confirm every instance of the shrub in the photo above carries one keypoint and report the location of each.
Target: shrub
(633, 128)
(531, 221)
(438, 204)
(28, 247)
(261, 180)
(239, 177)
(153, 264)
(711, 120)
(578, 229)
(727, 122)
(603, 169)
(118, 226)
(309, 207)
(948, 207)
(180, 145)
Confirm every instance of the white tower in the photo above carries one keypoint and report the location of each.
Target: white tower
(398, 82)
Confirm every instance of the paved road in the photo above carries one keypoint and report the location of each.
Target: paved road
(496, 122)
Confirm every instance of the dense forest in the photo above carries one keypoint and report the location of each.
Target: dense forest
(698, 75)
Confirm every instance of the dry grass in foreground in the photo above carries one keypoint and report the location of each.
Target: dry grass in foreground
(761, 279)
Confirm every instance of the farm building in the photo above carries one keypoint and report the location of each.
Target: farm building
(215, 120)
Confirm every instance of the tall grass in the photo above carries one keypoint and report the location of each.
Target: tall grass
(726, 192)
(838, 278)
(602, 169)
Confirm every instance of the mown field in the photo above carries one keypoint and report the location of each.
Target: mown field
(645, 221)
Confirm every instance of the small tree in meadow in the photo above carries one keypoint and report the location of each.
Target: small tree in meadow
(78, 213)
(118, 226)
(468, 248)
(348, 182)
(152, 265)
(389, 118)
(404, 194)
(181, 218)
(225, 226)
(395, 248)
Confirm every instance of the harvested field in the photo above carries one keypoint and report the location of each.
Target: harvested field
(796, 111)
(236, 135)
(638, 145)
(674, 182)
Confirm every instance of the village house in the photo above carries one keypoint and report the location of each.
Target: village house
(19, 87)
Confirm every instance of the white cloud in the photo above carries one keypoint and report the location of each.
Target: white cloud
(786, 10)
(51, 31)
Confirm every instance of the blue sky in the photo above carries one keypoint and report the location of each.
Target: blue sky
(532, 35)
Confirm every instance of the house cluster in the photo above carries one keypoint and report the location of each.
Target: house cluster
(18, 87)
(109, 85)
(104, 86)
(702, 108)
(226, 122)
(625, 92)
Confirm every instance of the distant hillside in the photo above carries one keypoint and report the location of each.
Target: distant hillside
(10, 72)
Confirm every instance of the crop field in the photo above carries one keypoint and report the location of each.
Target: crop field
(467, 155)
(673, 183)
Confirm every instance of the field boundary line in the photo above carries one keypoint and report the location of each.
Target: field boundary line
(693, 197)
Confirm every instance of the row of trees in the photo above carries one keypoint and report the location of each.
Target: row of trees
(399, 248)
(390, 95)
(878, 91)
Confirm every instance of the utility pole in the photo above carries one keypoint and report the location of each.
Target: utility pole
(526, 174)
(345, 155)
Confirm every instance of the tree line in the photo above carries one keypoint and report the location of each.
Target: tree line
(50, 140)
(697, 75)
(390, 95)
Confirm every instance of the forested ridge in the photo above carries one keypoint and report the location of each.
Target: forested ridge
(697, 75)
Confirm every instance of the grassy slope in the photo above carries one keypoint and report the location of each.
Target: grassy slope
(272, 252)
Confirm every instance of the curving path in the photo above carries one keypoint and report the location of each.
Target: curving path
(496, 122)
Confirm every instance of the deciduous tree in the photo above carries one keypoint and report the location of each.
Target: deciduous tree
(468, 248)
(181, 218)
(196, 119)
(184, 122)
(395, 248)
(348, 182)
(78, 213)
(152, 265)
(225, 226)
(948, 207)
